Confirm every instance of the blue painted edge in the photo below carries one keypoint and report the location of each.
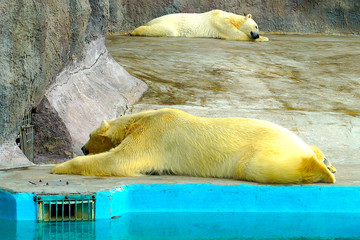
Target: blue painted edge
(201, 197)
(226, 198)
(17, 206)
(7, 205)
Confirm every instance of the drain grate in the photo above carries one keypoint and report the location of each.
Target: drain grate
(65, 208)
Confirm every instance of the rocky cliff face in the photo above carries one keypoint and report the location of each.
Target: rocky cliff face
(53, 53)
(84, 94)
(301, 16)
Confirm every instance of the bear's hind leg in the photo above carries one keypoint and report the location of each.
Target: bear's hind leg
(154, 31)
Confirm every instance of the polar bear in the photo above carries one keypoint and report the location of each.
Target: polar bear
(212, 24)
(172, 141)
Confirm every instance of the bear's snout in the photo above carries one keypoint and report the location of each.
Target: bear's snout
(84, 150)
(254, 35)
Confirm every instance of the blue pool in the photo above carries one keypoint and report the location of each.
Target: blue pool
(187, 211)
(194, 226)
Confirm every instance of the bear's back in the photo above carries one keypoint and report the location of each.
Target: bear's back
(191, 24)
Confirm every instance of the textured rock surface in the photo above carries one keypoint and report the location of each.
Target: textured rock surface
(38, 41)
(54, 140)
(85, 94)
(305, 16)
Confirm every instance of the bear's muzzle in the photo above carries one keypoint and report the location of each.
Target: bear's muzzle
(254, 35)
(84, 150)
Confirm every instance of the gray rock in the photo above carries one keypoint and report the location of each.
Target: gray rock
(12, 156)
(52, 139)
(332, 16)
(41, 43)
(89, 92)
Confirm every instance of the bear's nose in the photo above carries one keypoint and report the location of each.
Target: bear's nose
(84, 150)
(254, 35)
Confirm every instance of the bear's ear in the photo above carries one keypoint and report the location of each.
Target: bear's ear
(248, 16)
(104, 126)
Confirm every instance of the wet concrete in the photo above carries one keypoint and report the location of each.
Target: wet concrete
(309, 84)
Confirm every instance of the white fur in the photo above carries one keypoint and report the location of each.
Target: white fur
(212, 24)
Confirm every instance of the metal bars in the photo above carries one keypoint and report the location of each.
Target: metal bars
(26, 137)
(65, 208)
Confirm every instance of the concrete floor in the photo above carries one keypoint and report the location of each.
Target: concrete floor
(28, 180)
(308, 84)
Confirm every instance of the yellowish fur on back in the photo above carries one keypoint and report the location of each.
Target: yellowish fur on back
(170, 140)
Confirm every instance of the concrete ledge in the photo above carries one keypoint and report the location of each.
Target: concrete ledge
(116, 197)
(201, 198)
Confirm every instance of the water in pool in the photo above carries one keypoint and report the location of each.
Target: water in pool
(249, 226)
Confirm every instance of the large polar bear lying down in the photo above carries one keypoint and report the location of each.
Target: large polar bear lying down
(212, 24)
(172, 141)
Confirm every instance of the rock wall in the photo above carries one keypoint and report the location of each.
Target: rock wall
(53, 61)
(84, 94)
(301, 16)
(42, 44)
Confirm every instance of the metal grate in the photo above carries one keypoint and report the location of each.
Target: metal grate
(65, 208)
(26, 137)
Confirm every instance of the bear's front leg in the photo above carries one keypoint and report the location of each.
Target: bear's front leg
(101, 164)
(111, 163)
(262, 39)
(72, 166)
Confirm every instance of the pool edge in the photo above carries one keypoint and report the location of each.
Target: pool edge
(200, 197)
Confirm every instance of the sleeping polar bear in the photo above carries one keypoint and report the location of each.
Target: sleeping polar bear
(173, 141)
(212, 24)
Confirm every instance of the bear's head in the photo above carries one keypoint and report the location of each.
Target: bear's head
(99, 140)
(250, 28)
